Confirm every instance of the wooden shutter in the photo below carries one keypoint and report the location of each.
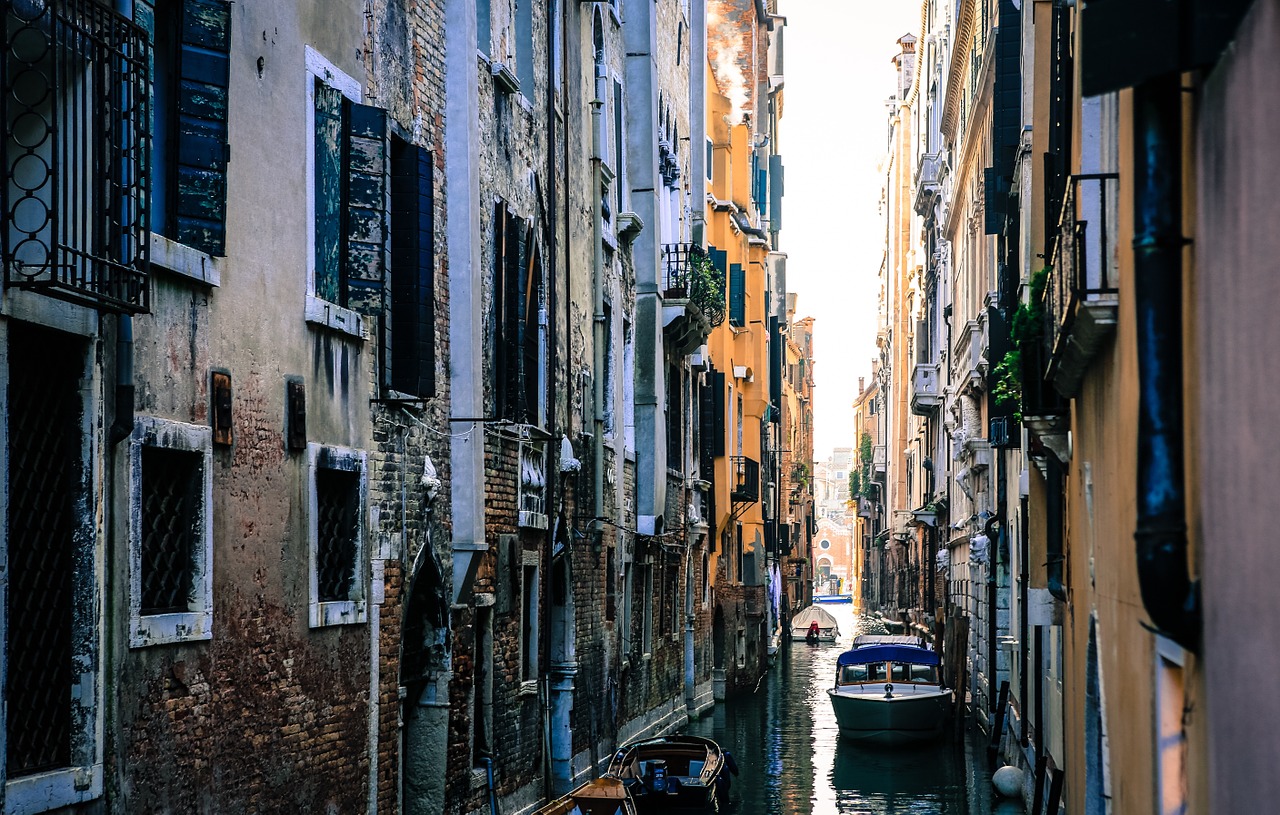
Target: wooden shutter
(737, 295)
(410, 338)
(200, 211)
(719, 405)
(328, 191)
(365, 222)
(499, 301)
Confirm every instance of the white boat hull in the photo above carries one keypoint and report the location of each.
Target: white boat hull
(907, 716)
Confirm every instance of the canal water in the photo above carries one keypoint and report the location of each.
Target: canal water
(793, 762)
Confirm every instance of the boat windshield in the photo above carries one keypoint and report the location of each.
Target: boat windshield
(908, 672)
(894, 671)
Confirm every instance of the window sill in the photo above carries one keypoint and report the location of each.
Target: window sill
(185, 261)
(51, 790)
(164, 629)
(334, 317)
(338, 612)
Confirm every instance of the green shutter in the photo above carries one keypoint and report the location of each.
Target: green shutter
(737, 295)
(200, 212)
(328, 191)
(365, 223)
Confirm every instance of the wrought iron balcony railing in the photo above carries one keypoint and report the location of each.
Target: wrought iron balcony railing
(75, 107)
(689, 274)
(1081, 293)
(745, 473)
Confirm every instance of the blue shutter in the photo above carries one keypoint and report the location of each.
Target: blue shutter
(365, 219)
(411, 335)
(200, 212)
(737, 295)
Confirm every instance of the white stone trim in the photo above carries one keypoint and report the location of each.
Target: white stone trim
(354, 610)
(197, 622)
(322, 69)
(321, 312)
(52, 790)
(185, 261)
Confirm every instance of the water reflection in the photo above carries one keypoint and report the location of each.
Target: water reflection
(793, 762)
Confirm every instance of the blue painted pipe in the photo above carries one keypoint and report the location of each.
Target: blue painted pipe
(1169, 594)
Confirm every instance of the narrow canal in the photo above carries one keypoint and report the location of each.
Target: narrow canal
(793, 762)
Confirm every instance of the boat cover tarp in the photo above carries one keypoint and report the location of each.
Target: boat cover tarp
(807, 615)
(888, 653)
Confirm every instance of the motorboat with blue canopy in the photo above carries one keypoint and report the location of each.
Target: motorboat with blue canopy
(888, 690)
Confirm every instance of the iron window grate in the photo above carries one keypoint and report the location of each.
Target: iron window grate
(75, 153)
(44, 483)
(337, 504)
(171, 485)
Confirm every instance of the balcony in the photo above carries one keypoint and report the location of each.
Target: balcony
(745, 475)
(970, 356)
(926, 395)
(533, 486)
(928, 183)
(693, 295)
(878, 460)
(75, 154)
(1081, 293)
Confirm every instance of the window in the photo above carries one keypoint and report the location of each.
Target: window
(170, 533)
(529, 619)
(737, 295)
(628, 388)
(645, 584)
(52, 684)
(525, 46)
(75, 147)
(619, 146)
(825, 544)
(408, 346)
(675, 419)
(671, 596)
(519, 340)
(484, 35)
(482, 686)
(336, 508)
(611, 587)
(191, 72)
(348, 167)
(610, 385)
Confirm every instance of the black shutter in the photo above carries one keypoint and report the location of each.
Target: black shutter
(777, 357)
(706, 426)
(410, 339)
(200, 212)
(718, 407)
(365, 216)
(512, 330)
(737, 295)
(499, 327)
(995, 200)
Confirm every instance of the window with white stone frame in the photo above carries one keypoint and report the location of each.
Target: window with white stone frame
(170, 532)
(337, 498)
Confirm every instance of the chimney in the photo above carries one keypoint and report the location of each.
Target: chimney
(862, 384)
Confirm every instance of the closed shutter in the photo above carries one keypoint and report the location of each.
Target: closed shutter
(365, 225)
(410, 338)
(737, 295)
(328, 192)
(200, 213)
(707, 426)
(719, 424)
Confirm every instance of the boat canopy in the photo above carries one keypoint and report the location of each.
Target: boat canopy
(888, 653)
(824, 618)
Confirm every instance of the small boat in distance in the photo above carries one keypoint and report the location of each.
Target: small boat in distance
(674, 772)
(603, 796)
(802, 623)
(888, 691)
(833, 598)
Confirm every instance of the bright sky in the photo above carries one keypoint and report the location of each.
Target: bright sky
(833, 135)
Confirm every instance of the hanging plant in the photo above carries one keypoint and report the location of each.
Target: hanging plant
(1026, 330)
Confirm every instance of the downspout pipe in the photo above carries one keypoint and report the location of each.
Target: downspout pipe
(1169, 594)
(597, 245)
(122, 426)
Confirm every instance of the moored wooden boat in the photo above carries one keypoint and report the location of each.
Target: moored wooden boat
(686, 772)
(887, 691)
(603, 796)
(828, 628)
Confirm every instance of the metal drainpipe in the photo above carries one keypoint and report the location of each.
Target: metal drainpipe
(597, 376)
(553, 467)
(1169, 594)
(122, 426)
